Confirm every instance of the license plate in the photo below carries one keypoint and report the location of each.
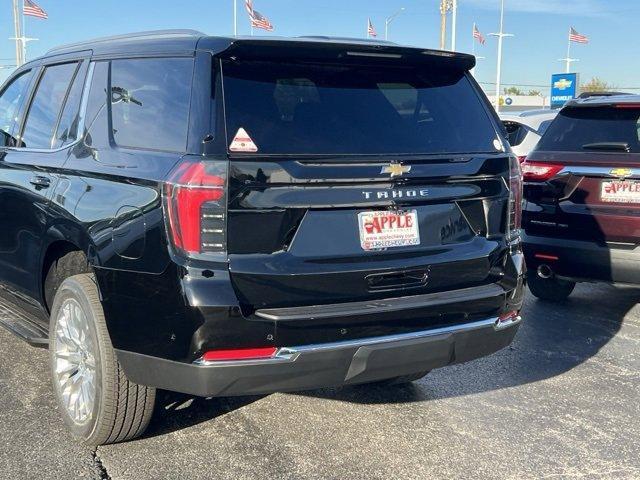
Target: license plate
(388, 229)
(620, 191)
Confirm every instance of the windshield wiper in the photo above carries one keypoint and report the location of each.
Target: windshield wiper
(608, 146)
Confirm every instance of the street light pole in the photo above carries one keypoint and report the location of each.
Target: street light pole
(445, 6)
(454, 17)
(500, 36)
(235, 18)
(389, 20)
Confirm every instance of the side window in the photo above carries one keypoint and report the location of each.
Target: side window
(10, 101)
(150, 102)
(515, 133)
(97, 115)
(67, 130)
(45, 107)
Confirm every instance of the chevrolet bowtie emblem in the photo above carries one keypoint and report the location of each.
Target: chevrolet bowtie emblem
(396, 169)
(621, 172)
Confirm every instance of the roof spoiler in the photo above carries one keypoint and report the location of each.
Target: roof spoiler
(338, 49)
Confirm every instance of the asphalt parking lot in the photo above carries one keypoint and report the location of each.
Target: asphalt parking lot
(562, 402)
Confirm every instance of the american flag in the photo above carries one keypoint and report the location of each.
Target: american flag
(257, 19)
(33, 10)
(477, 35)
(577, 37)
(371, 31)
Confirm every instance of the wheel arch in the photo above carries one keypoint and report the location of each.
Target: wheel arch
(74, 246)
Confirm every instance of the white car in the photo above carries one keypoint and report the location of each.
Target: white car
(524, 129)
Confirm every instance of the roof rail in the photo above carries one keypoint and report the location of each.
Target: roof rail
(132, 36)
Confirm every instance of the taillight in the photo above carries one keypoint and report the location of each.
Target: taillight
(538, 171)
(522, 158)
(515, 197)
(196, 201)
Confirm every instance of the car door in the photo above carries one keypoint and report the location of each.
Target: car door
(12, 101)
(29, 172)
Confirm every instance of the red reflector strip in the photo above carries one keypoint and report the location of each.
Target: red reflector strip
(506, 317)
(627, 105)
(544, 256)
(239, 354)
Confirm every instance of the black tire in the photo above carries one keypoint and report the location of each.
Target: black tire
(549, 289)
(121, 409)
(403, 379)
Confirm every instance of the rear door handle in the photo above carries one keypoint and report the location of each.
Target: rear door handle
(40, 182)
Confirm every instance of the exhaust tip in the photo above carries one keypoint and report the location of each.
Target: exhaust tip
(545, 271)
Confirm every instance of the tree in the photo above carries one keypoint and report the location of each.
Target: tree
(513, 91)
(535, 93)
(596, 85)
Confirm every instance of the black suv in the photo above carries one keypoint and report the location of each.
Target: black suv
(228, 216)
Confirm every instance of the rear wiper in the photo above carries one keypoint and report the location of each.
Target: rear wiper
(608, 146)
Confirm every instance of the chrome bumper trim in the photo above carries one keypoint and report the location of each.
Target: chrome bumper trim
(290, 354)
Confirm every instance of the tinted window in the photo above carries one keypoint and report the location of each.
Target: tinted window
(150, 102)
(67, 130)
(45, 107)
(575, 128)
(97, 115)
(10, 101)
(515, 132)
(543, 126)
(349, 109)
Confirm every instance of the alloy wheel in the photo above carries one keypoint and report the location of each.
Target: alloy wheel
(75, 362)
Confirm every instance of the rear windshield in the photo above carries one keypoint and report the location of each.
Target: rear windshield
(579, 129)
(287, 108)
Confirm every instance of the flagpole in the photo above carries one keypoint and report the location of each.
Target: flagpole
(24, 35)
(568, 52)
(473, 46)
(235, 18)
(473, 40)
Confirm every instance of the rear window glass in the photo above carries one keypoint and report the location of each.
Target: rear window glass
(288, 108)
(575, 128)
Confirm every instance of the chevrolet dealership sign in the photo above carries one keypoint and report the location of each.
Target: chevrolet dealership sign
(564, 87)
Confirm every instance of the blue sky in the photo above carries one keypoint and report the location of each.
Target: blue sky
(540, 28)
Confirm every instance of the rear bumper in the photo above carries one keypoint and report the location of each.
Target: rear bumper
(323, 365)
(581, 260)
